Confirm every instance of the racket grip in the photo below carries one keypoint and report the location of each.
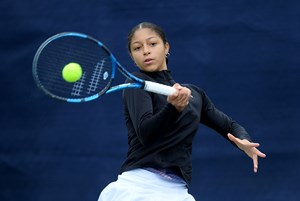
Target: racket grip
(159, 88)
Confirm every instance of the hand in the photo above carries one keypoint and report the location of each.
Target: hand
(180, 99)
(249, 148)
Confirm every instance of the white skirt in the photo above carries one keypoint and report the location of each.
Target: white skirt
(143, 185)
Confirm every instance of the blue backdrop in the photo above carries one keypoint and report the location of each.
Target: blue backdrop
(245, 54)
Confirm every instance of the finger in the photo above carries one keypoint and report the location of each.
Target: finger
(182, 97)
(187, 91)
(173, 96)
(259, 153)
(253, 144)
(186, 97)
(232, 138)
(255, 163)
(177, 86)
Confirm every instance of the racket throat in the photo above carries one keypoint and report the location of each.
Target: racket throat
(124, 86)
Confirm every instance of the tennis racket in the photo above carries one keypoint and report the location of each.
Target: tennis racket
(98, 67)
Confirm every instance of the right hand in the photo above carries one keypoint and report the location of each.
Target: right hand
(180, 98)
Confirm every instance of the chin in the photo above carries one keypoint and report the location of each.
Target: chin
(149, 69)
(152, 69)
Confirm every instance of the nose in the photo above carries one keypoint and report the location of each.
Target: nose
(146, 50)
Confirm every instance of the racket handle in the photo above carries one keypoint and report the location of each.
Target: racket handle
(159, 88)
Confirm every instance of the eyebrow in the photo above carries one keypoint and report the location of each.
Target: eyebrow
(146, 39)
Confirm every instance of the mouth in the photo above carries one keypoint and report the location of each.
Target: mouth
(148, 61)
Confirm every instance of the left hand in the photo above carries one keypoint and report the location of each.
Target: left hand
(249, 148)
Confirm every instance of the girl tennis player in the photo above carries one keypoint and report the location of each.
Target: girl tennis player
(161, 129)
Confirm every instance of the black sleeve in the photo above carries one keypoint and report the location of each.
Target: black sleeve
(220, 122)
(147, 125)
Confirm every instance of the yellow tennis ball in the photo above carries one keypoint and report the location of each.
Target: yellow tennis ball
(72, 72)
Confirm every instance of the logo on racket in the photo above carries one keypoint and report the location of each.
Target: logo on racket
(105, 75)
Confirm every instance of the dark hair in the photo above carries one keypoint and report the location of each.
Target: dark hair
(148, 25)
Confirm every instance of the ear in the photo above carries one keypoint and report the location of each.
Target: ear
(167, 48)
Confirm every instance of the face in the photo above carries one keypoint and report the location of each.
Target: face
(148, 50)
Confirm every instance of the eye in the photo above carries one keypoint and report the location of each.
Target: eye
(153, 44)
(137, 48)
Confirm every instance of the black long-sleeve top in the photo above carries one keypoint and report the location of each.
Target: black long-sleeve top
(161, 137)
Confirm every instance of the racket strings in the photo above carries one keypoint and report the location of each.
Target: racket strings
(98, 72)
(78, 86)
